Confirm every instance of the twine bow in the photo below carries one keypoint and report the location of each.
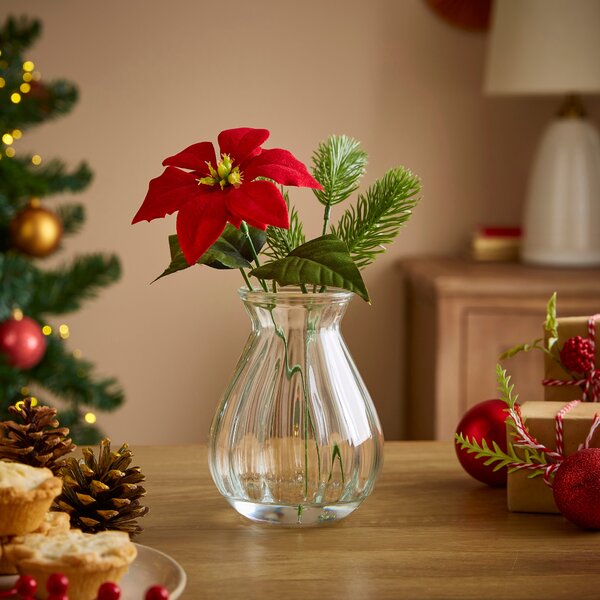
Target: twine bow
(590, 383)
(524, 439)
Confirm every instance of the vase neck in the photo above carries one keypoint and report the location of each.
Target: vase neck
(296, 311)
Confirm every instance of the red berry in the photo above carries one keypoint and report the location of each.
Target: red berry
(109, 591)
(157, 592)
(26, 586)
(57, 583)
(577, 354)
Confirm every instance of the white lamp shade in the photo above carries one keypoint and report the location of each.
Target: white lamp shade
(544, 47)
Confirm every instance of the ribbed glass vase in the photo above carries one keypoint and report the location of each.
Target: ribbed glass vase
(295, 440)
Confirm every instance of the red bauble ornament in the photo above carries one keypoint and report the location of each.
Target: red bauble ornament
(484, 421)
(576, 488)
(157, 592)
(23, 342)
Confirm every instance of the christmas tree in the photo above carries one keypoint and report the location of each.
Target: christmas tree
(34, 356)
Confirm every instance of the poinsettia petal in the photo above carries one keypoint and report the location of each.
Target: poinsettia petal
(258, 202)
(199, 224)
(194, 157)
(281, 166)
(242, 143)
(167, 193)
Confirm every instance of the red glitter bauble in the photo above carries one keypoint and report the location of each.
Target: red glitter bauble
(576, 488)
(23, 342)
(109, 591)
(157, 592)
(483, 421)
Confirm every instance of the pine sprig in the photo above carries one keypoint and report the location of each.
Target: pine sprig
(378, 215)
(280, 242)
(72, 217)
(505, 387)
(63, 290)
(72, 378)
(549, 347)
(338, 165)
(509, 459)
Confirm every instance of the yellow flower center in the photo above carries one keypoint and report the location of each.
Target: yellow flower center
(225, 174)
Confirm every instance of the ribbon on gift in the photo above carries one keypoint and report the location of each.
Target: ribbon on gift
(590, 383)
(524, 439)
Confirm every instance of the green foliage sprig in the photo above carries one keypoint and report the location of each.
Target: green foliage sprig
(378, 215)
(336, 257)
(533, 460)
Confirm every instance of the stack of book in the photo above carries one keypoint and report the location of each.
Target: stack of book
(496, 243)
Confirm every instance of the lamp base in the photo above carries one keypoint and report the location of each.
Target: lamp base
(562, 211)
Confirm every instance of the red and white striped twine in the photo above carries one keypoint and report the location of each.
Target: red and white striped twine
(524, 439)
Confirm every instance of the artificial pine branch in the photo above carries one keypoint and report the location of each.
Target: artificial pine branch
(338, 165)
(378, 215)
(16, 283)
(18, 33)
(72, 217)
(280, 242)
(20, 181)
(63, 290)
(72, 379)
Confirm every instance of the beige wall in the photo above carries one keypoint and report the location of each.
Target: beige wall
(157, 76)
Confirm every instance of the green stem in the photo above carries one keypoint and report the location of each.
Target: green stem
(289, 373)
(326, 218)
(246, 280)
(244, 229)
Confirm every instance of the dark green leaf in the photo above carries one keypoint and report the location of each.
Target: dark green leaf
(324, 261)
(231, 251)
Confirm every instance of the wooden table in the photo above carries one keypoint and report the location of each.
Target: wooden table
(427, 531)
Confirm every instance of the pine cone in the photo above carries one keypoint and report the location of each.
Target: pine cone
(577, 354)
(37, 441)
(102, 494)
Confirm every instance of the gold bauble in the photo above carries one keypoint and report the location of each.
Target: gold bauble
(36, 231)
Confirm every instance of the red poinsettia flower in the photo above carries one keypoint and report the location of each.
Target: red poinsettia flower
(209, 193)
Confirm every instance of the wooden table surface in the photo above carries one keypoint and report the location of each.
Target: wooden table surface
(427, 531)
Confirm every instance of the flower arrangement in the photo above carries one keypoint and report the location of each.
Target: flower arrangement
(230, 210)
(234, 212)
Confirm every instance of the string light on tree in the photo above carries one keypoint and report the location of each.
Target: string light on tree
(90, 418)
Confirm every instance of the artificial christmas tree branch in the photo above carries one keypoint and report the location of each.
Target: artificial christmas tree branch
(63, 290)
(29, 295)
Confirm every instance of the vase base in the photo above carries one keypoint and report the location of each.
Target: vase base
(305, 515)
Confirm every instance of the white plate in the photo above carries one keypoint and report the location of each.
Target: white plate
(151, 567)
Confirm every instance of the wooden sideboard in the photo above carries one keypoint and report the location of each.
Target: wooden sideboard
(461, 315)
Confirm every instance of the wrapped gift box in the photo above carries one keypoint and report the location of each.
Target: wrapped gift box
(533, 495)
(568, 327)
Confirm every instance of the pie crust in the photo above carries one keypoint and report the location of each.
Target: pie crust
(87, 559)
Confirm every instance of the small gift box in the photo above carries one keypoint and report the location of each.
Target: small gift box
(575, 376)
(525, 494)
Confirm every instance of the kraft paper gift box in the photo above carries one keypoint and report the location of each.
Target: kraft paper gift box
(568, 327)
(533, 495)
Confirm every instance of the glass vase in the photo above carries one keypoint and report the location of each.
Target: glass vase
(296, 440)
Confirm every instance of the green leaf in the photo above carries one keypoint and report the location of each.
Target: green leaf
(378, 216)
(338, 165)
(324, 261)
(551, 324)
(230, 251)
